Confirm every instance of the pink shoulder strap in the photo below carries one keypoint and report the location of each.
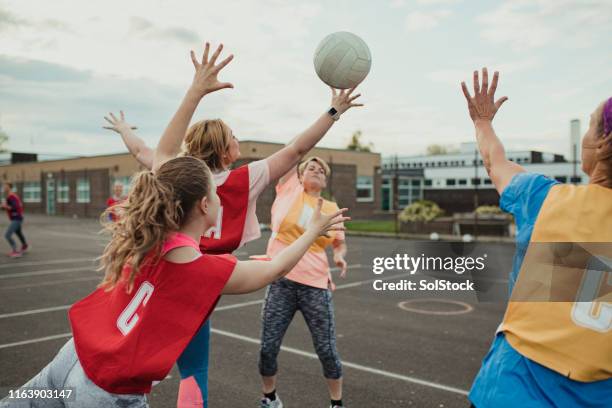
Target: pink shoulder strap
(177, 240)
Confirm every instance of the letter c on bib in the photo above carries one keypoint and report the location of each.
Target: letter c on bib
(128, 318)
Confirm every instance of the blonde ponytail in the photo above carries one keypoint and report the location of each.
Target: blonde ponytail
(157, 204)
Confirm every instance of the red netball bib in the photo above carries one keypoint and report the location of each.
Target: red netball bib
(225, 237)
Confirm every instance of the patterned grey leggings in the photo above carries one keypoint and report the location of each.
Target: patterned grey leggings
(283, 298)
(65, 372)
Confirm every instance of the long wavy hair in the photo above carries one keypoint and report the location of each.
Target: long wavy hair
(156, 205)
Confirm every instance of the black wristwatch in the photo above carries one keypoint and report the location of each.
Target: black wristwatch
(333, 112)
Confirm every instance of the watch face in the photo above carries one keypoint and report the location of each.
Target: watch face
(332, 111)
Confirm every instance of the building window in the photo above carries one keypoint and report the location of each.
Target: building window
(462, 182)
(561, 179)
(427, 182)
(462, 163)
(416, 182)
(63, 192)
(450, 182)
(31, 192)
(577, 179)
(475, 181)
(365, 188)
(83, 195)
(487, 181)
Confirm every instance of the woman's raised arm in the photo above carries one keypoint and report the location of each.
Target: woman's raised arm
(482, 108)
(289, 156)
(141, 152)
(205, 81)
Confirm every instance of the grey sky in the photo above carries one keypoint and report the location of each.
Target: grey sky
(63, 67)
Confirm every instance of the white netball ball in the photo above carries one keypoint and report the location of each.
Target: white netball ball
(342, 60)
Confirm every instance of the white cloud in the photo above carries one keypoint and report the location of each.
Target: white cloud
(63, 67)
(532, 24)
(425, 20)
(454, 76)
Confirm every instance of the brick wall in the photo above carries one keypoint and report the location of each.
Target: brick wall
(99, 189)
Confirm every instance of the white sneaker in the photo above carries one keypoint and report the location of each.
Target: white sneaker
(268, 403)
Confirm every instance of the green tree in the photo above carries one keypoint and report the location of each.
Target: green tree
(357, 145)
(436, 149)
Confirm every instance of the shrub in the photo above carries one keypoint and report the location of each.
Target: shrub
(488, 209)
(422, 210)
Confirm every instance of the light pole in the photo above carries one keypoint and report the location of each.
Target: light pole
(396, 193)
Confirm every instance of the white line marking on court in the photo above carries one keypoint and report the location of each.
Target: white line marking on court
(291, 350)
(339, 287)
(49, 262)
(34, 311)
(46, 272)
(218, 308)
(238, 305)
(408, 305)
(38, 340)
(49, 283)
(349, 364)
(93, 236)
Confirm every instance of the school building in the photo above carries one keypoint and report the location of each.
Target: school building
(80, 186)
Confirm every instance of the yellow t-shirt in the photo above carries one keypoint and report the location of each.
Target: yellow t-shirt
(291, 212)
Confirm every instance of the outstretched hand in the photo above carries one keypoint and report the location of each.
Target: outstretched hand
(118, 125)
(342, 100)
(483, 105)
(205, 78)
(323, 223)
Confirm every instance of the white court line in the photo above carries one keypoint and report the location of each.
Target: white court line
(62, 261)
(38, 340)
(291, 350)
(237, 305)
(34, 311)
(218, 308)
(49, 283)
(339, 287)
(93, 236)
(355, 366)
(47, 272)
(49, 262)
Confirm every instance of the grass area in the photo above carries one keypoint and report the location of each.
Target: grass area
(371, 226)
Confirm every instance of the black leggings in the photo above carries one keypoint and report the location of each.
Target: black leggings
(283, 298)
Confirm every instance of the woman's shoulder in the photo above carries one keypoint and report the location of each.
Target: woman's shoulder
(182, 255)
